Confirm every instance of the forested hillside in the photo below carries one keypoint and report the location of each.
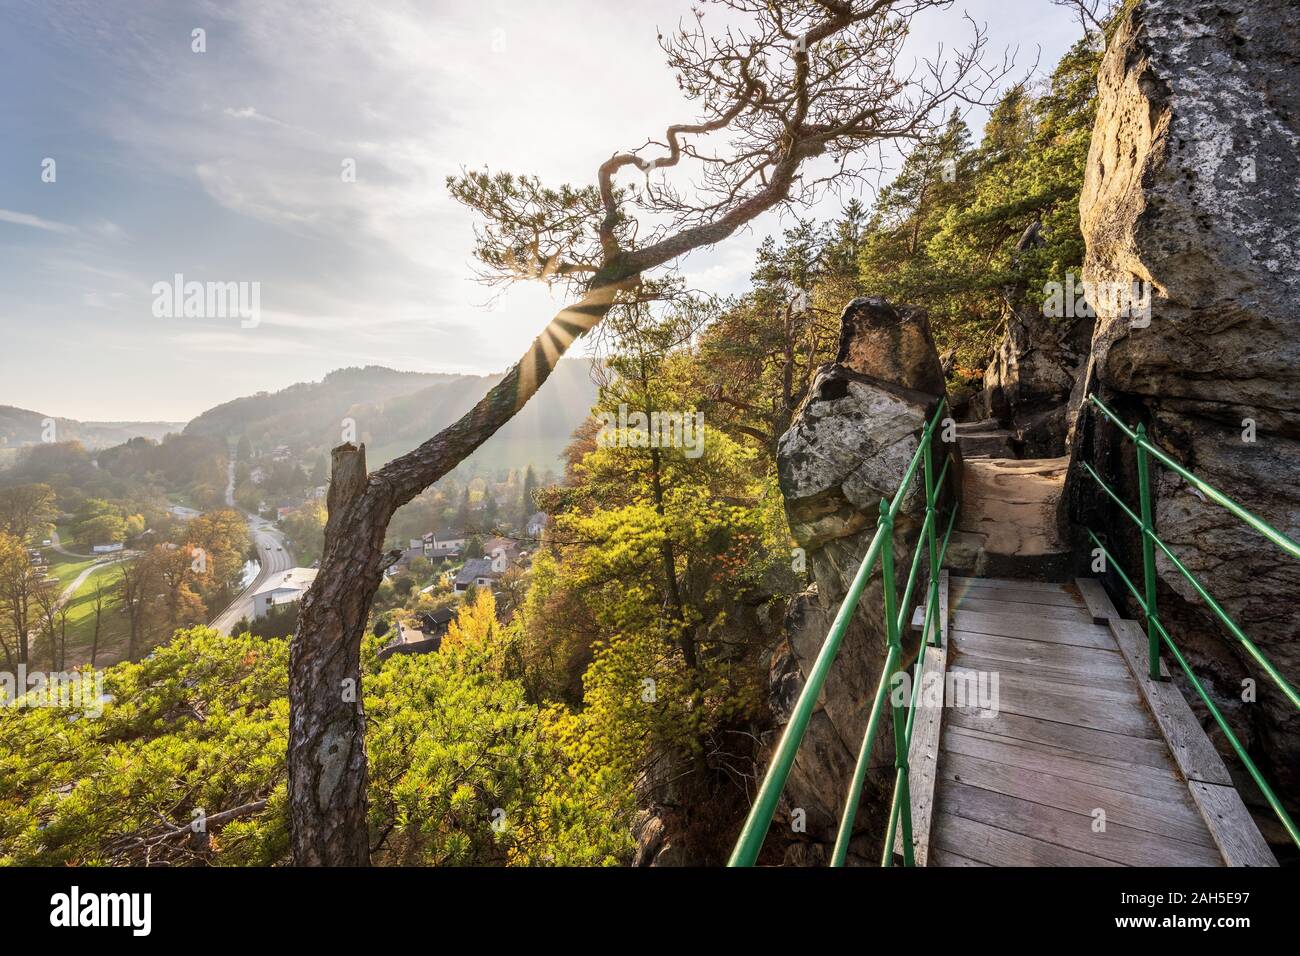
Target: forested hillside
(393, 412)
(20, 427)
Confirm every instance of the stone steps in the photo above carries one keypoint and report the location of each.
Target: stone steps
(985, 439)
(1009, 523)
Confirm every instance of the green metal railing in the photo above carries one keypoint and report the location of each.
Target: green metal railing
(896, 616)
(1156, 632)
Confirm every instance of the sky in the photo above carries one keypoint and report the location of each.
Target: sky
(227, 166)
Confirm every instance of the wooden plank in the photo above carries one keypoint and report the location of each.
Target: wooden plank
(1195, 755)
(1023, 651)
(1032, 683)
(1079, 633)
(1130, 756)
(1178, 819)
(960, 582)
(918, 615)
(923, 752)
(1034, 612)
(1213, 792)
(945, 619)
(1231, 826)
(1083, 676)
(1057, 598)
(1058, 679)
(1096, 744)
(1142, 781)
(997, 847)
(1098, 601)
(946, 858)
(1031, 701)
(1079, 831)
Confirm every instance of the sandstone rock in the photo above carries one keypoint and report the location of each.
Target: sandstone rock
(893, 344)
(847, 448)
(1031, 375)
(1193, 186)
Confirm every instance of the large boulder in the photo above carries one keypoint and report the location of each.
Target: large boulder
(890, 343)
(1193, 187)
(848, 447)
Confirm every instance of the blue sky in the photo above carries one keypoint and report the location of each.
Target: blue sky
(225, 166)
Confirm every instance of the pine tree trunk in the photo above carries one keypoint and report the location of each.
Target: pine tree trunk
(327, 748)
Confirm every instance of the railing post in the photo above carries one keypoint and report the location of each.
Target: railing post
(1148, 552)
(933, 589)
(898, 712)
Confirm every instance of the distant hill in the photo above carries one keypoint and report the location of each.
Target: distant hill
(301, 411)
(20, 427)
(396, 411)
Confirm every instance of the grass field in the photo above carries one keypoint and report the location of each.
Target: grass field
(63, 567)
(81, 609)
(81, 620)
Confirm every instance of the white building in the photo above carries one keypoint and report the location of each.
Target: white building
(282, 587)
(436, 547)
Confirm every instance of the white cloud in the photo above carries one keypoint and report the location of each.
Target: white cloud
(36, 222)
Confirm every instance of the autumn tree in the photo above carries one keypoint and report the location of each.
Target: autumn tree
(26, 509)
(758, 357)
(18, 586)
(54, 618)
(136, 584)
(222, 538)
(801, 81)
(100, 596)
(176, 573)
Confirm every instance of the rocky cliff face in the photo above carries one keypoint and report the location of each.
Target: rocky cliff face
(1193, 186)
(848, 447)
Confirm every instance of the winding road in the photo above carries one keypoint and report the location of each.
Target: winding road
(273, 555)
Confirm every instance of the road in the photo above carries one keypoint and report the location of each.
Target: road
(57, 546)
(273, 555)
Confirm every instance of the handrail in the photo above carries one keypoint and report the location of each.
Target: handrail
(754, 832)
(1214, 494)
(1156, 631)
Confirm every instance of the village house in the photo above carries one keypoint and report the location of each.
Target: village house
(438, 546)
(423, 638)
(283, 587)
(482, 572)
(506, 547)
(537, 523)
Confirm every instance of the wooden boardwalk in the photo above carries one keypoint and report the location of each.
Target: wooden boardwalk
(1081, 760)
